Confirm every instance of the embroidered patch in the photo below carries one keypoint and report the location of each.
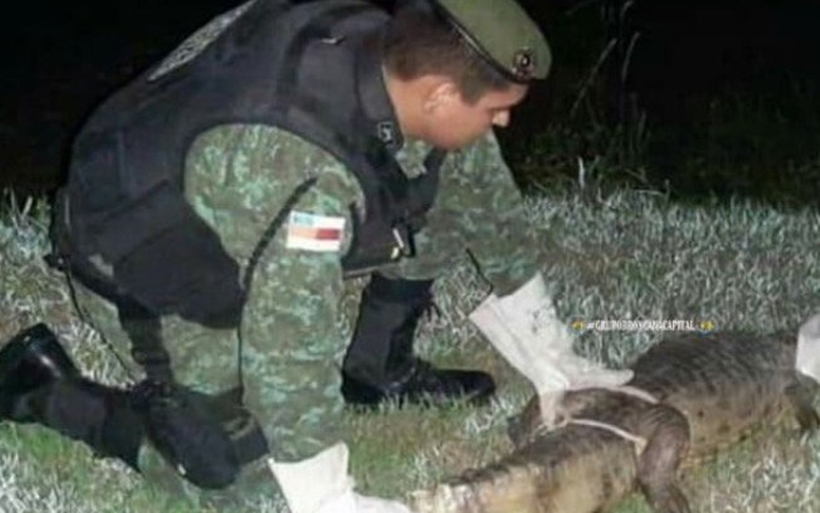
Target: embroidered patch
(314, 232)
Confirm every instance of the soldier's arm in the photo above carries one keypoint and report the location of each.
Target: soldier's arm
(499, 233)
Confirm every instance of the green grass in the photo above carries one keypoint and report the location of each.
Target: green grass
(630, 255)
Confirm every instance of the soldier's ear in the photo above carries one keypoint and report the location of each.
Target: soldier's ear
(441, 96)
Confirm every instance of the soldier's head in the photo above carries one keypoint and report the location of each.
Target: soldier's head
(455, 68)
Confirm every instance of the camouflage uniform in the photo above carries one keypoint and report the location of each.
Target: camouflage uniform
(237, 178)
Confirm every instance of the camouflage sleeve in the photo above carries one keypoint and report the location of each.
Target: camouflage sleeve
(478, 208)
(238, 179)
(500, 236)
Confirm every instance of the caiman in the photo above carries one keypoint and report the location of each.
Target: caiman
(712, 391)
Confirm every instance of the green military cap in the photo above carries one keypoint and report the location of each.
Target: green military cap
(503, 33)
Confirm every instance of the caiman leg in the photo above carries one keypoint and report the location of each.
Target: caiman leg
(658, 464)
(524, 427)
(801, 395)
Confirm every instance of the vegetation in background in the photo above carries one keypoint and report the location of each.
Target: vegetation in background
(592, 124)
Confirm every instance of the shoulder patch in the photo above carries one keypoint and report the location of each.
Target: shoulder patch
(313, 232)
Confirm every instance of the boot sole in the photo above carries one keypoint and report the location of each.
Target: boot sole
(37, 339)
(16, 349)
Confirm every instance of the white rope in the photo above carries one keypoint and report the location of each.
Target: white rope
(639, 441)
(634, 392)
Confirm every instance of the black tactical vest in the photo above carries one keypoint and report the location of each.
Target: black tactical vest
(312, 68)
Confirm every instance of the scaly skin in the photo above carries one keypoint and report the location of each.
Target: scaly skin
(713, 390)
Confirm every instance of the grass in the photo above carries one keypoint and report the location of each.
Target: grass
(628, 255)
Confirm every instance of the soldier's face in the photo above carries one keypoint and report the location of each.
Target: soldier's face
(454, 123)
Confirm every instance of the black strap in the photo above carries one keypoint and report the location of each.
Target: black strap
(144, 329)
(423, 189)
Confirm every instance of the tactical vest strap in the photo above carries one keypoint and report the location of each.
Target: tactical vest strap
(424, 188)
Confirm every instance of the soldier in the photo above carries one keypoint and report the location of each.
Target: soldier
(216, 204)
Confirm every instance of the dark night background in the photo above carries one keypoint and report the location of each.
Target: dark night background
(727, 88)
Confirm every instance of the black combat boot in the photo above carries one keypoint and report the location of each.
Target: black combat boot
(379, 365)
(32, 359)
(39, 383)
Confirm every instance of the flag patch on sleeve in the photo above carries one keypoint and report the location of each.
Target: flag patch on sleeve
(313, 232)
